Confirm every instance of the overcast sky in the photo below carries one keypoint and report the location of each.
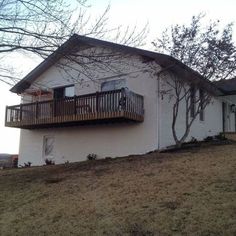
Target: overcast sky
(158, 13)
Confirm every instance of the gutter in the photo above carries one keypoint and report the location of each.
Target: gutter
(226, 100)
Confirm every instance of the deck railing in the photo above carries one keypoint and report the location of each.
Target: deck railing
(113, 104)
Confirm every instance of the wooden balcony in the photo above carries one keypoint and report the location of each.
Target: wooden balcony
(101, 107)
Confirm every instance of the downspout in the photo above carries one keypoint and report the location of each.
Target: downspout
(158, 112)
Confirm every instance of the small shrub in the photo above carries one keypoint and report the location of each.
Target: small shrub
(220, 137)
(67, 163)
(208, 139)
(49, 162)
(91, 156)
(193, 140)
(28, 164)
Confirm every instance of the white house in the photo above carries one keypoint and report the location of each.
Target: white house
(92, 96)
(228, 87)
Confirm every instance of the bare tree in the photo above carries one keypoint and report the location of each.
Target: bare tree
(40, 27)
(207, 50)
(189, 102)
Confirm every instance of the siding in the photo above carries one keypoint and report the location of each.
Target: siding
(212, 124)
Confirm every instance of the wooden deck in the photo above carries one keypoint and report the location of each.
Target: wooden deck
(101, 107)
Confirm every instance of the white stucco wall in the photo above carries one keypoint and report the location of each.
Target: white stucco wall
(212, 124)
(75, 143)
(112, 140)
(230, 117)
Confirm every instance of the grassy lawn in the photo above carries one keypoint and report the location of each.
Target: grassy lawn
(185, 193)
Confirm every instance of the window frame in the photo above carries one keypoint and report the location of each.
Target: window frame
(115, 81)
(46, 138)
(64, 90)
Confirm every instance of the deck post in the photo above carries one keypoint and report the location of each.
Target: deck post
(54, 107)
(97, 101)
(20, 112)
(36, 110)
(6, 115)
(123, 99)
(75, 110)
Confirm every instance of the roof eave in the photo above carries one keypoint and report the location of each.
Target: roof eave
(43, 66)
(161, 59)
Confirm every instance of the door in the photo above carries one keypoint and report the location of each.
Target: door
(63, 100)
(227, 117)
(234, 121)
(48, 149)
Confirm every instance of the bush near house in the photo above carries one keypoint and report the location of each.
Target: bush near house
(192, 192)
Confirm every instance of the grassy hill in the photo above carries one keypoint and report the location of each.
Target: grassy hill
(185, 193)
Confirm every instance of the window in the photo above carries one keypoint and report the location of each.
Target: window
(201, 98)
(113, 85)
(63, 92)
(70, 91)
(192, 101)
(48, 147)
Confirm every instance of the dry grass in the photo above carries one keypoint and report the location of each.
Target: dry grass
(187, 193)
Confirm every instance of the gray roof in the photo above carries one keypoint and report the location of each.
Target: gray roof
(163, 60)
(228, 86)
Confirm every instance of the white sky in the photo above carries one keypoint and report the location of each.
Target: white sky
(160, 14)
